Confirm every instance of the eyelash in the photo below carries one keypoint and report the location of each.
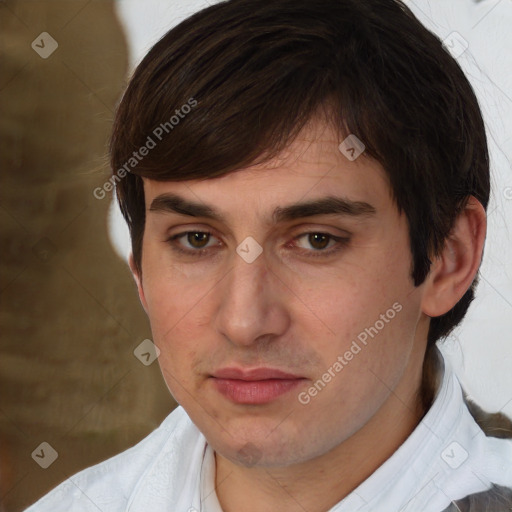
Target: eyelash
(341, 242)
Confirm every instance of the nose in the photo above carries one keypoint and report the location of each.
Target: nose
(251, 303)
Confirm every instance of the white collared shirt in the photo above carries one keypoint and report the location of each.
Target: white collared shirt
(446, 458)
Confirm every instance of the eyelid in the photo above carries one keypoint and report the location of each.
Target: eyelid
(175, 246)
(340, 243)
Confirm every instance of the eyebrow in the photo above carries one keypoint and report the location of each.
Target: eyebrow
(329, 205)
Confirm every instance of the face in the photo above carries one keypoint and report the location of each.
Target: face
(282, 330)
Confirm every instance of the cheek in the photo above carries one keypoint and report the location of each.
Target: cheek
(177, 311)
(176, 334)
(173, 294)
(349, 301)
(369, 313)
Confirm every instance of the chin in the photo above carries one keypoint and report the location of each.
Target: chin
(259, 449)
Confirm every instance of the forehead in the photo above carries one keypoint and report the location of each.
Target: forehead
(310, 168)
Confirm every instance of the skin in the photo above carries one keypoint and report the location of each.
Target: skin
(297, 313)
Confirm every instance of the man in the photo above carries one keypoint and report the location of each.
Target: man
(305, 184)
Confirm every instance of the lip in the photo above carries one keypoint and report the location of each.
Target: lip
(253, 374)
(254, 386)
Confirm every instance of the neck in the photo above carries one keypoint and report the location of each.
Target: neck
(318, 484)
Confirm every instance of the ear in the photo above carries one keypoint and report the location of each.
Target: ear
(454, 270)
(138, 280)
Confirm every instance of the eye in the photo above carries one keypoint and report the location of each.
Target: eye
(197, 243)
(320, 243)
(197, 240)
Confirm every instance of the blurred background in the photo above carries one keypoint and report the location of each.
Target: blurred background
(70, 316)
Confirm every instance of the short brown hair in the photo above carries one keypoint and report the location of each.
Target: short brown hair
(259, 70)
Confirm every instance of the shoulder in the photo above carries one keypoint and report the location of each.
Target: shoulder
(112, 482)
(495, 464)
(496, 499)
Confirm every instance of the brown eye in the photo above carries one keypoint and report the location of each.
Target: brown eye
(318, 240)
(197, 238)
(193, 243)
(318, 244)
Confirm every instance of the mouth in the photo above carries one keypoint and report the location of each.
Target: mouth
(254, 386)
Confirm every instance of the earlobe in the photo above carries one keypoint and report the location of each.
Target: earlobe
(454, 270)
(138, 281)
